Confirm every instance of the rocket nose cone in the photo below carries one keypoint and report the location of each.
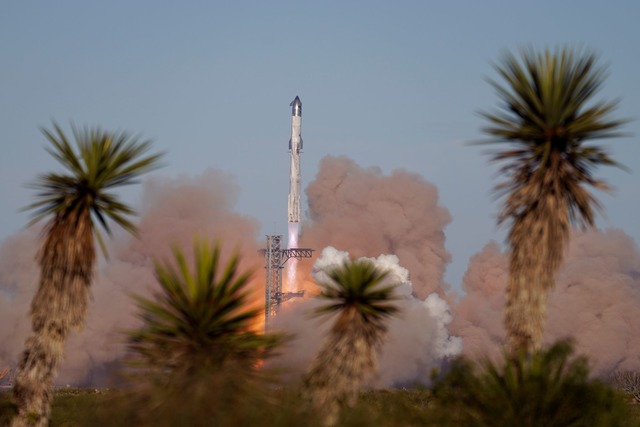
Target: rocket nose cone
(296, 107)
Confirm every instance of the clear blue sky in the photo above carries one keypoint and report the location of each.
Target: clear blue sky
(392, 84)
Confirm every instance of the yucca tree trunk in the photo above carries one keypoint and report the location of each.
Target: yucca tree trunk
(537, 238)
(525, 313)
(348, 357)
(59, 306)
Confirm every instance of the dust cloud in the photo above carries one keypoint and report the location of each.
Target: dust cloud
(173, 212)
(366, 213)
(417, 339)
(596, 301)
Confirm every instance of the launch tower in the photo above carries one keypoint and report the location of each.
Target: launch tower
(275, 258)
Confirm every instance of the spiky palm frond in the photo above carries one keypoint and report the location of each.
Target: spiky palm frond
(548, 388)
(357, 293)
(546, 116)
(104, 161)
(357, 285)
(73, 201)
(547, 96)
(200, 316)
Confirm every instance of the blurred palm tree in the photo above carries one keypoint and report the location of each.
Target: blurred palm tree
(197, 356)
(77, 203)
(550, 388)
(546, 118)
(357, 294)
(200, 318)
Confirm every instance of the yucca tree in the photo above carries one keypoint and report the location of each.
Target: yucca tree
(546, 120)
(77, 203)
(362, 301)
(197, 354)
(550, 388)
(201, 319)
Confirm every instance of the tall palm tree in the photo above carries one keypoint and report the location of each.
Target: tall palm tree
(358, 294)
(77, 202)
(546, 118)
(200, 318)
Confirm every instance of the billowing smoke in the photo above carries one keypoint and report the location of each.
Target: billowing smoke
(417, 340)
(172, 213)
(367, 213)
(596, 301)
(477, 316)
(364, 212)
(18, 282)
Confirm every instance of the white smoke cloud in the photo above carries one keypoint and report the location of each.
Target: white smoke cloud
(418, 339)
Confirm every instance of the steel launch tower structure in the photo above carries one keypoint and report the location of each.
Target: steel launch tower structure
(275, 257)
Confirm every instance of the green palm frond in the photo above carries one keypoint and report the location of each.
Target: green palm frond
(103, 161)
(547, 98)
(200, 316)
(547, 114)
(547, 388)
(360, 294)
(358, 285)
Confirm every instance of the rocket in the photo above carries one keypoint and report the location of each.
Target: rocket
(295, 147)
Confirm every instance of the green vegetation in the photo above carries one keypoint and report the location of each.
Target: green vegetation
(389, 408)
(196, 359)
(629, 383)
(363, 302)
(77, 202)
(382, 408)
(196, 355)
(200, 319)
(550, 388)
(546, 118)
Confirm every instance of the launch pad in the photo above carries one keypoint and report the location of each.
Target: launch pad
(275, 258)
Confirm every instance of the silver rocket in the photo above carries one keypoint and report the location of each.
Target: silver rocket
(295, 147)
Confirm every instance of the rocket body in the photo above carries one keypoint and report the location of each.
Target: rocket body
(295, 147)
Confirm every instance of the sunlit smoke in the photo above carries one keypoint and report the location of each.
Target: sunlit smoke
(367, 212)
(292, 264)
(418, 338)
(596, 301)
(172, 212)
(364, 211)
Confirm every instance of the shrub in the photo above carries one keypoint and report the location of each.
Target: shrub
(196, 357)
(550, 388)
(629, 383)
